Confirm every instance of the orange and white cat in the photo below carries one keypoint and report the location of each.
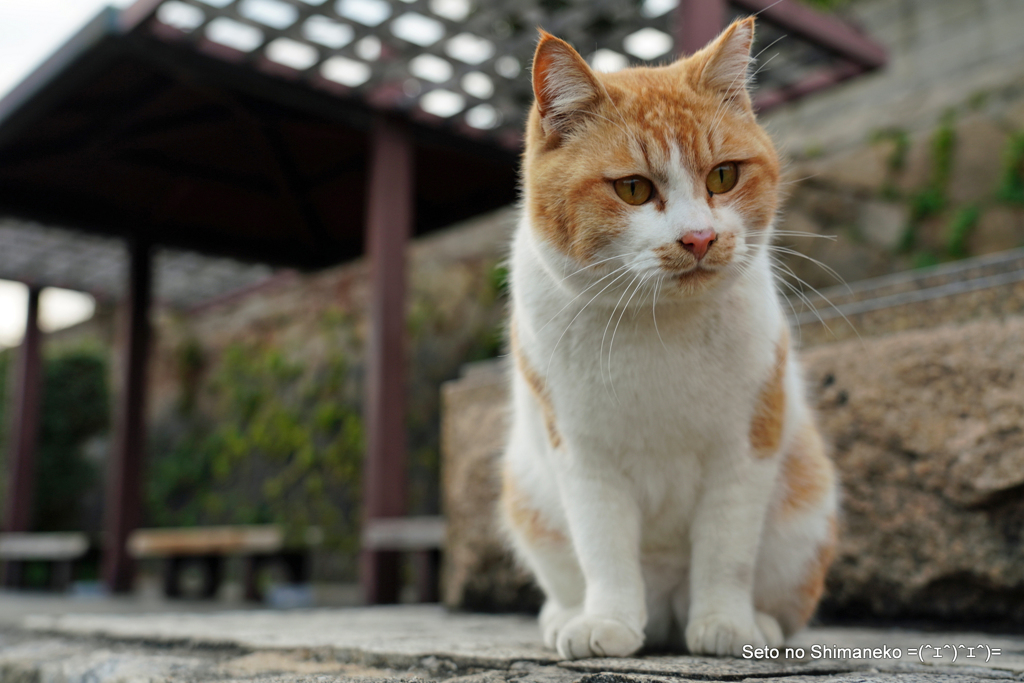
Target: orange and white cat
(664, 479)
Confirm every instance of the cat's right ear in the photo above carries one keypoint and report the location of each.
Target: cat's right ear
(563, 84)
(727, 63)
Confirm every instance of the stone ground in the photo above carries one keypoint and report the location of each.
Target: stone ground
(427, 643)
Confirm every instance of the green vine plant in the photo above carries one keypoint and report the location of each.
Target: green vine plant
(1011, 186)
(284, 446)
(960, 229)
(932, 199)
(896, 161)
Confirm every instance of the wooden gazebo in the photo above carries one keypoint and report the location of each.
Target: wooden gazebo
(303, 133)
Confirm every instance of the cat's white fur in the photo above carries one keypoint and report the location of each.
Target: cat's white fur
(668, 513)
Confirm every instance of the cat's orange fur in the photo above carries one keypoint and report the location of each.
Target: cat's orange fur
(709, 469)
(769, 414)
(574, 210)
(537, 386)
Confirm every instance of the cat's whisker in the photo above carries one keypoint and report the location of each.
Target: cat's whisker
(765, 9)
(804, 303)
(769, 45)
(600, 355)
(807, 302)
(800, 233)
(761, 68)
(799, 180)
(780, 267)
(555, 348)
(643, 299)
(792, 310)
(655, 282)
(610, 258)
(828, 269)
(611, 343)
(792, 233)
(654, 313)
(624, 266)
(827, 300)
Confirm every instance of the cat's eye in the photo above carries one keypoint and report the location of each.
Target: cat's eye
(634, 190)
(723, 177)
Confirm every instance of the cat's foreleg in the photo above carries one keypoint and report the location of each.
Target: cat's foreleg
(541, 542)
(725, 535)
(604, 521)
(553, 564)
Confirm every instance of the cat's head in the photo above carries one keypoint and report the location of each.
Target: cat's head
(661, 171)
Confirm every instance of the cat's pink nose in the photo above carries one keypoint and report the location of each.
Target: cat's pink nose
(698, 242)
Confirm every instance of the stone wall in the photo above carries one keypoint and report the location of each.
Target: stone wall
(928, 435)
(908, 166)
(942, 54)
(478, 574)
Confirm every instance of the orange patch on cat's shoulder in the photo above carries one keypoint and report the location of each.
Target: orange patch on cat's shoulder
(770, 411)
(523, 515)
(813, 584)
(538, 387)
(807, 473)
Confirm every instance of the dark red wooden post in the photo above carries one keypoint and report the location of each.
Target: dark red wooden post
(388, 228)
(697, 22)
(124, 474)
(24, 426)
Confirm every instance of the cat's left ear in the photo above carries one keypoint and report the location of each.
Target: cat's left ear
(728, 62)
(563, 84)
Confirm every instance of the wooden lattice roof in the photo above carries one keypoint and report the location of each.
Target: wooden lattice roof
(40, 256)
(239, 127)
(465, 61)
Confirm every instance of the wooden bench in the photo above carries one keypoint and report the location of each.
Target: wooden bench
(423, 537)
(59, 550)
(208, 547)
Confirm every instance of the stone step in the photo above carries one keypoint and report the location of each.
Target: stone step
(428, 643)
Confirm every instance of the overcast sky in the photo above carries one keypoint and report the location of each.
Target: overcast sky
(30, 31)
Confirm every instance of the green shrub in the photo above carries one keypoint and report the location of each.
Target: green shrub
(285, 447)
(75, 408)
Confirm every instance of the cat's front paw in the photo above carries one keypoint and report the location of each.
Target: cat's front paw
(596, 636)
(726, 634)
(553, 617)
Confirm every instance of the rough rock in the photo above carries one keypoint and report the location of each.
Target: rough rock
(978, 160)
(917, 167)
(862, 169)
(928, 428)
(998, 228)
(883, 223)
(478, 570)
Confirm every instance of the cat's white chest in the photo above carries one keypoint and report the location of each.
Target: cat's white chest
(650, 392)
